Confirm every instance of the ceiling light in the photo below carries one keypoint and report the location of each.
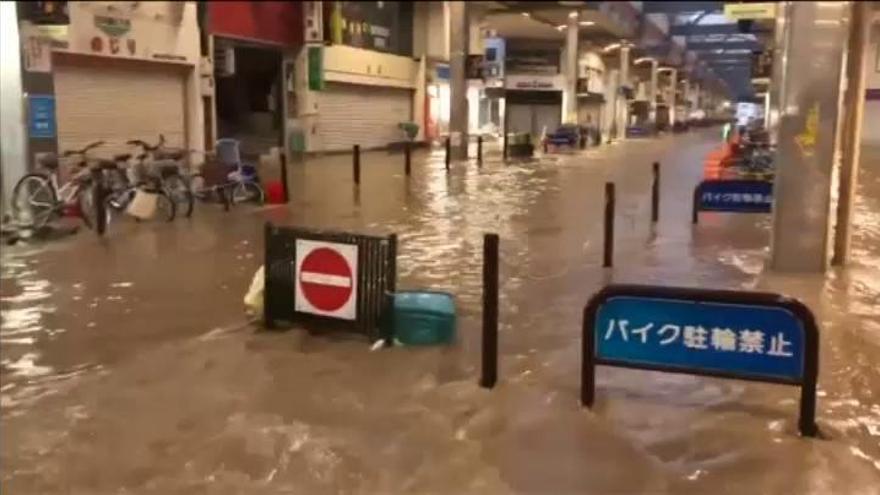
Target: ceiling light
(573, 14)
(526, 14)
(586, 23)
(561, 27)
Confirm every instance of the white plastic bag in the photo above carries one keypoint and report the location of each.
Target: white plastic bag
(143, 205)
(253, 300)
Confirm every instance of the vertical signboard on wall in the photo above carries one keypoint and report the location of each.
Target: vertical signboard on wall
(41, 116)
(316, 68)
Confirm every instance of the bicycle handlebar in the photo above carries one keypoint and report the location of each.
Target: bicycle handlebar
(84, 150)
(147, 146)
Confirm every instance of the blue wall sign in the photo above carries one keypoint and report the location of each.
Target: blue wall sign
(740, 196)
(41, 116)
(744, 335)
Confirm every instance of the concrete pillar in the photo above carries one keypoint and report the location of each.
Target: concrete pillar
(622, 104)
(458, 105)
(612, 92)
(778, 76)
(851, 135)
(13, 154)
(814, 48)
(571, 69)
(652, 93)
(686, 93)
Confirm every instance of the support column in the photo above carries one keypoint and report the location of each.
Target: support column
(622, 106)
(774, 92)
(814, 48)
(652, 94)
(854, 106)
(458, 106)
(571, 69)
(13, 152)
(673, 92)
(686, 95)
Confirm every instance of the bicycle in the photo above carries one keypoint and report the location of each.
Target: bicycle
(167, 164)
(124, 182)
(241, 183)
(35, 197)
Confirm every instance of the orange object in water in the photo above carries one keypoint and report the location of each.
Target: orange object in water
(274, 192)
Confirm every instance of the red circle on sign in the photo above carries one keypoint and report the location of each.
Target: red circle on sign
(325, 278)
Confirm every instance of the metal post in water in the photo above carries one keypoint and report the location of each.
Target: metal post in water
(504, 145)
(356, 164)
(608, 258)
(390, 289)
(655, 193)
(480, 150)
(407, 166)
(490, 312)
(695, 206)
(285, 188)
(448, 150)
(98, 198)
(268, 321)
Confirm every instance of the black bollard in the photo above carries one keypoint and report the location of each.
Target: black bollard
(655, 193)
(407, 159)
(504, 147)
(268, 321)
(285, 188)
(695, 206)
(356, 164)
(98, 198)
(390, 289)
(479, 150)
(448, 151)
(608, 259)
(490, 311)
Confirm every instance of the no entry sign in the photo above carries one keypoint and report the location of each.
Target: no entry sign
(326, 279)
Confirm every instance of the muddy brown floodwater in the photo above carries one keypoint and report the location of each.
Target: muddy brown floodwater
(128, 367)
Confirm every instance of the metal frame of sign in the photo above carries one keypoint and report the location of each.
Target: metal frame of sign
(698, 190)
(807, 418)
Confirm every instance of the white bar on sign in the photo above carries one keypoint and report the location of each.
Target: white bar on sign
(325, 279)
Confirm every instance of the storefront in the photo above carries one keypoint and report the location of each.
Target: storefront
(252, 44)
(115, 73)
(361, 84)
(533, 104)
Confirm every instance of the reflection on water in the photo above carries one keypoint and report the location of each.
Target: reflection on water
(140, 376)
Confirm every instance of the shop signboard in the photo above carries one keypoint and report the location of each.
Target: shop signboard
(743, 335)
(528, 82)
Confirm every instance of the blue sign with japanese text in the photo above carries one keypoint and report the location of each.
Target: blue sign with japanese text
(714, 337)
(41, 116)
(744, 196)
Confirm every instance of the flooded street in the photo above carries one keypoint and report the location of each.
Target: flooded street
(128, 366)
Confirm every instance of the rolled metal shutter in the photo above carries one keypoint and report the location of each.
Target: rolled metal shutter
(118, 101)
(350, 114)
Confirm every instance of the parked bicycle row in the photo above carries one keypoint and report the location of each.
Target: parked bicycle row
(154, 182)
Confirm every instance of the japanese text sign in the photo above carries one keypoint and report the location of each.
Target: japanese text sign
(744, 335)
(741, 196)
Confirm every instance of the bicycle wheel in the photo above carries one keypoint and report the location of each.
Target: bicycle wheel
(180, 193)
(166, 208)
(247, 192)
(34, 200)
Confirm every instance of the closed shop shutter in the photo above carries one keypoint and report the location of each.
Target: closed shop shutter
(533, 119)
(350, 114)
(115, 101)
